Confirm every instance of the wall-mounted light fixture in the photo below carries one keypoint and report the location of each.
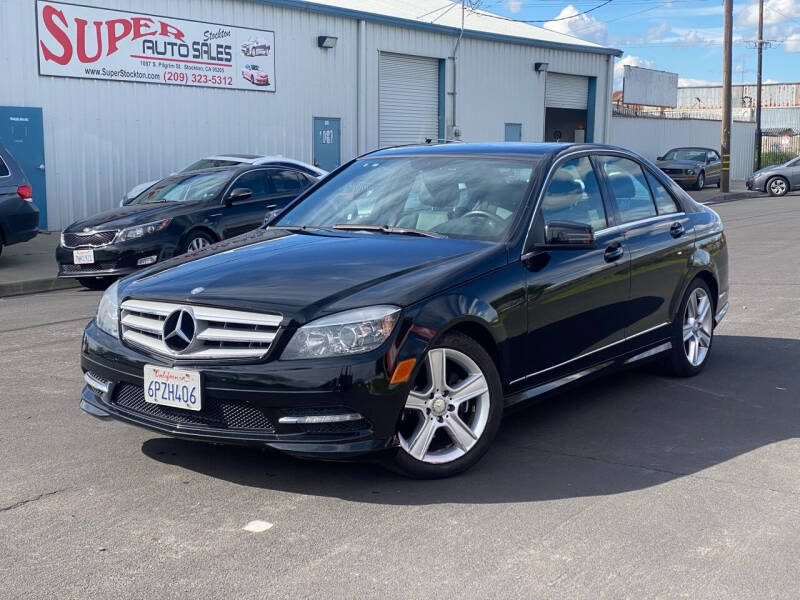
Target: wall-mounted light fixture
(540, 67)
(326, 41)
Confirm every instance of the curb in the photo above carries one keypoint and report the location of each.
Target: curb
(34, 286)
(731, 196)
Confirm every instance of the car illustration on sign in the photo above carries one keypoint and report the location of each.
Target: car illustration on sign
(255, 75)
(254, 47)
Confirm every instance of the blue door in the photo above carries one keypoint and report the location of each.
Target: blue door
(22, 134)
(327, 143)
(513, 132)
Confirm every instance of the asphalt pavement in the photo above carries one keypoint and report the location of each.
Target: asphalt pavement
(637, 486)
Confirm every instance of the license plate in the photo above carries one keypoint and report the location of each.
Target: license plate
(172, 387)
(83, 257)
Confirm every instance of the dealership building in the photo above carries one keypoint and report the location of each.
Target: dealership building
(102, 95)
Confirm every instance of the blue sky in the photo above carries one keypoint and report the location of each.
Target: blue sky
(682, 36)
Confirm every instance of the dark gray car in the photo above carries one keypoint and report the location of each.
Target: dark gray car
(777, 180)
(19, 217)
(691, 166)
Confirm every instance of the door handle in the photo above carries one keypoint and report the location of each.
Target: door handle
(41, 167)
(613, 252)
(676, 230)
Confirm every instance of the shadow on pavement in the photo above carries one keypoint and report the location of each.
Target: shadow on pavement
(624, 432)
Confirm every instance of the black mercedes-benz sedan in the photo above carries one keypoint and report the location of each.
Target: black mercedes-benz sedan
(182, 213)
(402, 305)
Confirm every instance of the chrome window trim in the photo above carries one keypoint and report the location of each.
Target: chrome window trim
(585, 354)
(638, 222)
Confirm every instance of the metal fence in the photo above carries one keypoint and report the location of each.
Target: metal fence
(779, 147)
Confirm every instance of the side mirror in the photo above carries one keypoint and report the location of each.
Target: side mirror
(659, 158)
(568, 235)
(273, 212)
(238, 194)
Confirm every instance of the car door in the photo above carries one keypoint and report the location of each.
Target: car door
(659, 237)
(286, 186)
(713, 166)
(575, 298)
(793, 172)
(241, 216)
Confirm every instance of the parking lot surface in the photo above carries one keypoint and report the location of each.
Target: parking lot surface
(637, 486)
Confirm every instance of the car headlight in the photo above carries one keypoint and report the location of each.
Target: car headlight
(137, 231)
(349, 332)
(690, 171)
(108, 311)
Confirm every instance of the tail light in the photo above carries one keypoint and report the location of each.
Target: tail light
(26, 192)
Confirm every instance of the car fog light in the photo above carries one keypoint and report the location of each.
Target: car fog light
(147, 260)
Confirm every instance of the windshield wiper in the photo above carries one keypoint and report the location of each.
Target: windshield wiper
(386, 229)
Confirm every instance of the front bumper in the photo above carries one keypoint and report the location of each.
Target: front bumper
(683, 179)
(244, 403)
(112, 260)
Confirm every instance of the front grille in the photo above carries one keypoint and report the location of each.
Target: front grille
(90, 238)
(673, 171)
(217, 414)
(217, 333)
(87, 269)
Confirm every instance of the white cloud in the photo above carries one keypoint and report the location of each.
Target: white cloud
(631, 60)
(657, 33)
(692, 82)
(584, 27)
(514, 5)
(692, 37)
(775, 12)
(792, 43)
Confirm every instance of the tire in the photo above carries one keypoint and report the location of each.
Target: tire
(777, 186)
(701, 181)
(681, 361)
(95, 283)
(441, 434)
(197, 241)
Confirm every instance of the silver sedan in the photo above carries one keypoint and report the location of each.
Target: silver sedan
(776, 180)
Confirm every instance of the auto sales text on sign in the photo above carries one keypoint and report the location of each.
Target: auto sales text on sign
(95, 43)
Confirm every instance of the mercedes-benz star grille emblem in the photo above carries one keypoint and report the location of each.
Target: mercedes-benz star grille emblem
(179, 330)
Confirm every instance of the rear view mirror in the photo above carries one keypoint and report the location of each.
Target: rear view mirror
(568, 235)
(238, 194)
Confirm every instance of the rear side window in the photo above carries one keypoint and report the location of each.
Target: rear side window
(286, 182)
(4, 172)
(664, 202)
(630, 189)
(574, 195)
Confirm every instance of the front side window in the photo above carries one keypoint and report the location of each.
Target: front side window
(467, 197)
(630, 189)
(255, 181)
(573, 194)
(202, 186)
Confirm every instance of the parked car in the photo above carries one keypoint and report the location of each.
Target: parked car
(777, 180)
(19, 217)
(232, 160)
(401, 305)
(254, 47)
(694, 167)
(182, 213)
(255, 75)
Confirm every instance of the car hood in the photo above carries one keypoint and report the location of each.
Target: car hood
(259, 73)
(306, 275)
(131, 214)
(769, 169)
(677, 164)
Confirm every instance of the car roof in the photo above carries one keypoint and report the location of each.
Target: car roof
(507, 149)
(691, 148)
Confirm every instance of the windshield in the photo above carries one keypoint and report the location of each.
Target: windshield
(209, 163)
(692, 154)
(202, 186)
(473, 198)
(254, 67)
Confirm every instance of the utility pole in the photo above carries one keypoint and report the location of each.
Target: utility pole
(760, 43)
(726, 96)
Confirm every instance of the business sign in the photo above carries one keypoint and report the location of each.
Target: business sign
(648, 87)
(95, 43)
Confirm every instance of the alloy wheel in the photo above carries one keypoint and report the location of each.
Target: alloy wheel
(777, 186)
(697, 327)
(447, 409)
(198, 244)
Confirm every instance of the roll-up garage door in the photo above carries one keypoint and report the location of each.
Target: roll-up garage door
(566, 91)
(409, 99)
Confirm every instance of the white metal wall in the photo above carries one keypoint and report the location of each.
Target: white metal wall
(103, 137)
(653, 137)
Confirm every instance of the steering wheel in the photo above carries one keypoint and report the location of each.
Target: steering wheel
(486, 215)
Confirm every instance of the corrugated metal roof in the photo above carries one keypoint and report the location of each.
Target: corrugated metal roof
(446, 15)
